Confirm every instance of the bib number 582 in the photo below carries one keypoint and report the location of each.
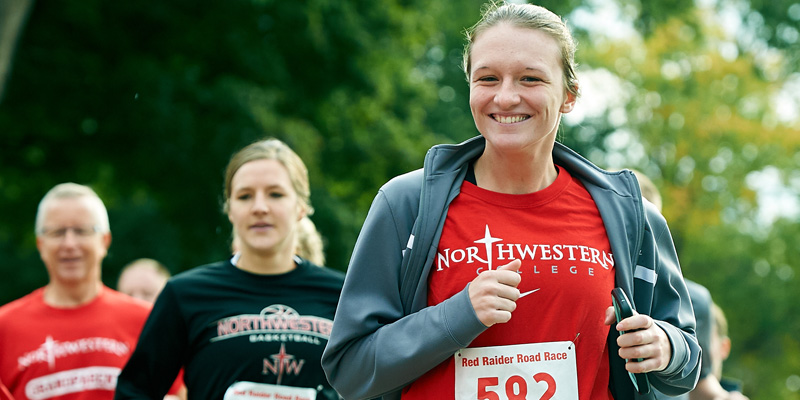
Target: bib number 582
(516, 387)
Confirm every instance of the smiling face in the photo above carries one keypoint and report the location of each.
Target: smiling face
(517, 91)
(69, 245)
(264, 207)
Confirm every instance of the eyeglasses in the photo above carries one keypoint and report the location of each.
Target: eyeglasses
(81, 232)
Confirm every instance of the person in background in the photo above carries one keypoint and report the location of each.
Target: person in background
(70, 338)
(708, 386)
(143, 279)
(488, 273)
(720, 349)
(252, 326)
(649, 190)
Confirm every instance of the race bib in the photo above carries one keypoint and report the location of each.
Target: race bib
(253, 390)
(525, 371)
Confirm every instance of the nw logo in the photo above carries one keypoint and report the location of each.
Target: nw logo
(283, 363)
(487, 241)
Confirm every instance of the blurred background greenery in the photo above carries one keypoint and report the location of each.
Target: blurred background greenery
(145, 101)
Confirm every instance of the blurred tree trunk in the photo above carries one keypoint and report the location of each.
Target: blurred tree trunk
(13, 14)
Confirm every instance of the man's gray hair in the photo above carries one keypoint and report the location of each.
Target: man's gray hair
(71, 190)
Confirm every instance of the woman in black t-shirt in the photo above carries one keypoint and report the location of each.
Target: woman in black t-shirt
(253, 326)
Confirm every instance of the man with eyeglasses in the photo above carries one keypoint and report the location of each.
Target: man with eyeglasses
(69, 339)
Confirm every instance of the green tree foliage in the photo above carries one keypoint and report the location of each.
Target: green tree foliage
(703, 125)
(775, 22)
(146, 103)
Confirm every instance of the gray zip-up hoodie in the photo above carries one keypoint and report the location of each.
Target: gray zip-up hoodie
(385, 335)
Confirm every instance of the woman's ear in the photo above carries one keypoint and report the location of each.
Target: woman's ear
(725, 348)
(569, 101)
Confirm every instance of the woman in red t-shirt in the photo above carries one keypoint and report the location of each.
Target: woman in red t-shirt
(489, 273)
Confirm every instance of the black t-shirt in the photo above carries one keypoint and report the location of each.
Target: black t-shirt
(224, 325)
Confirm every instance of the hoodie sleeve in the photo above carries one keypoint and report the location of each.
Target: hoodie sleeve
(374, 348)
(672, 310)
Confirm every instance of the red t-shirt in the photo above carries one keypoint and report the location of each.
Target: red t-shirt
(68, 353)
(567, 275)
(4, 393)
